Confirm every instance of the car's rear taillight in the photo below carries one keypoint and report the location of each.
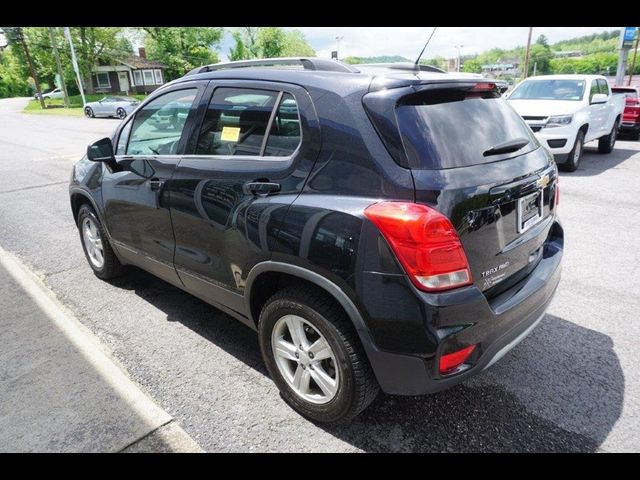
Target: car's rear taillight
(451, 361)
(425, 242)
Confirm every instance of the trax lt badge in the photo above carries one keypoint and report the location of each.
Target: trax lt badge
(490, 279)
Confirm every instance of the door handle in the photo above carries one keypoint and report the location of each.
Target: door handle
(156, 184)
(261, 189)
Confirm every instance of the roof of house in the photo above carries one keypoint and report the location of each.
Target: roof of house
(136, 62)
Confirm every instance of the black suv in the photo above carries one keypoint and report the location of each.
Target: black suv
(379, 227)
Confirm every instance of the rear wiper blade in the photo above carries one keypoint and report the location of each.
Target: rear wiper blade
(507, 147)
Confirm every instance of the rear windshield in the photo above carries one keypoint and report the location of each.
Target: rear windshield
(627, 92)
(457, 128)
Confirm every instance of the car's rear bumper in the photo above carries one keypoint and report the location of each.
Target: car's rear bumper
(498, 325)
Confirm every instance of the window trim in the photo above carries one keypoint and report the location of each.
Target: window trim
(157, 75)
(98, 80)
(253, 158)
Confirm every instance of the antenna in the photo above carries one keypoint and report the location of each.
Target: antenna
(425, 47)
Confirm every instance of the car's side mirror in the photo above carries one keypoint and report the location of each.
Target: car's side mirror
(599, 98)
(101, 151)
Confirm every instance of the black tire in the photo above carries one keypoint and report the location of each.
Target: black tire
(635, 135)
(357, 387)
(112, 267)
(88, 112)
(606, 143)
(121, 113)
(573, 159)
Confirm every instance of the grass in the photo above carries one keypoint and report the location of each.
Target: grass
(55, 106)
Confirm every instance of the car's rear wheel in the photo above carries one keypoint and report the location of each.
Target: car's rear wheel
(121, 113)
(88, 112)
(606, 143)
(314, 356)
(573, 159)
(100, 255)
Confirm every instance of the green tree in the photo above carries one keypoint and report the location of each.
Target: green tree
(268, 42)
(472, 66)
(182, 48)
(296, 45)
(13, 78)
(542, 40)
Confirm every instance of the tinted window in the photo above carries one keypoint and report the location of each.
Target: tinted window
(549, 90)
(594, 89)
(158, 126)
(284, 135)
(604, 86)
(454, 128)
(236, 122)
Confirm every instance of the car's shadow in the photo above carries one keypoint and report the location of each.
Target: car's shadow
(594, 163)
(560, 390)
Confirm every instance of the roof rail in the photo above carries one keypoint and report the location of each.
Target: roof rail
(309, 63)
(403, 66)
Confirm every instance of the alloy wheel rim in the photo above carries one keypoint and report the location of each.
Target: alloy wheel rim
(87, 112)
(305, 359)
(93, 242)
(121, 113)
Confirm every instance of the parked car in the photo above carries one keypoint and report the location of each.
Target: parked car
(631, 116)
(567, 111)
(111, 107)
(392, 230)
(55, 93)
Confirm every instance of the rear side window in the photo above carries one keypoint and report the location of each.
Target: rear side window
(458, 128)
(237, 121)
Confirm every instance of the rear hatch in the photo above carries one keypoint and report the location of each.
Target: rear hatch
(475, 160)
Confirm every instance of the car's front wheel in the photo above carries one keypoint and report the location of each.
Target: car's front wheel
(314, 356)
(96, 245)
(88, 112)
(573, 159)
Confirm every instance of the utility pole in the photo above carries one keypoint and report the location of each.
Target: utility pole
(525, 73)
(458, 63)
(633, 62)
(67, 34)
(338, 38)
(19, 36)
(60, 72)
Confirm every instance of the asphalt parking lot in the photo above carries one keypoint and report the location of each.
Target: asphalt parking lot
(572, 385)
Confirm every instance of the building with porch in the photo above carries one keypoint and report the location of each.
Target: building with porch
(133, 74)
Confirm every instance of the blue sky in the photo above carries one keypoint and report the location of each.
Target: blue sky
(408, 41)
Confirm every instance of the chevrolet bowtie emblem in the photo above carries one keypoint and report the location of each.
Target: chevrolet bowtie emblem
(544, 181)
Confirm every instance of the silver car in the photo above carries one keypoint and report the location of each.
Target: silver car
(118, 107)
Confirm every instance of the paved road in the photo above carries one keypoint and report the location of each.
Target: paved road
(572, 385)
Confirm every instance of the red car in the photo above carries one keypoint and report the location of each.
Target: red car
(631, 116)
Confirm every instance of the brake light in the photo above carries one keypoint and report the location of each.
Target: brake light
(483, 87)
(425, 242)
(451, 361)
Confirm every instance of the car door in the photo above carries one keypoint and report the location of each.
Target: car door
(135, 197)
(100, 107)
(607, 108)
(596, 113)
(246, 163)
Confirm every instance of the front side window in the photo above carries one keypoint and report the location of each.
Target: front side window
(148, 77)
(237, 120)
(603, 86)
(137, 77)
(103, 80)
(594, 90)
(158, 126)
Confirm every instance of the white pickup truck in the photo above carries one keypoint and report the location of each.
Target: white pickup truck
(566, 111)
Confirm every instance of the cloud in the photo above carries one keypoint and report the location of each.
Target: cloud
(408, 41)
